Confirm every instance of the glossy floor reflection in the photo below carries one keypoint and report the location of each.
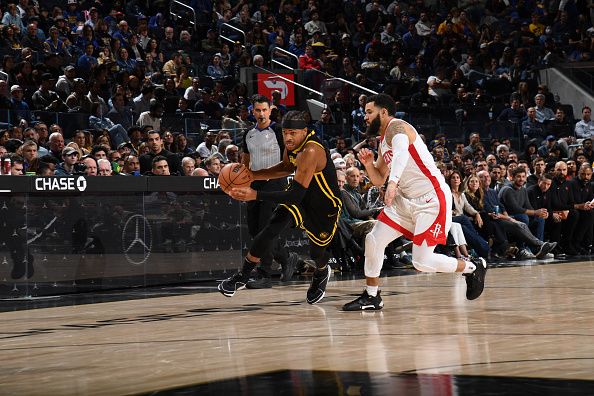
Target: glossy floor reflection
(529, 333)
(357, 383)
(134, 293)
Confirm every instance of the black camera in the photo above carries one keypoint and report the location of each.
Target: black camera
(79, 169)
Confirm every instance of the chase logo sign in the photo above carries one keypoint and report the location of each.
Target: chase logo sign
(61, 183)
(210, 183)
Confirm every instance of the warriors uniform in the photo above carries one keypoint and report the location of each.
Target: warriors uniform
(319, 211)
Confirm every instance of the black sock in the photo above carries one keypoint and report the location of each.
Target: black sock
(248, 266)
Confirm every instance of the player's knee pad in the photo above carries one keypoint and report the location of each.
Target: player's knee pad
(423, 259)
(374, 256)
(420, 265)
(426, 260)
(369, 242)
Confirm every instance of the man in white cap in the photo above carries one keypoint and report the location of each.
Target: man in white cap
(70, 157)
(339, 164)
(18, 104)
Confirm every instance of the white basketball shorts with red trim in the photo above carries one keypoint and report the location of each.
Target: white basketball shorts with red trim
(426, 218)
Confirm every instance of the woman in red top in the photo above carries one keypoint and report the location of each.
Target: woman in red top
(309, 61)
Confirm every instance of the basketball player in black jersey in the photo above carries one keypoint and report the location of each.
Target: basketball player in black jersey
(312, 202)
(263, 147)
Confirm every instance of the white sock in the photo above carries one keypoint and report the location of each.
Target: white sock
(469, 268)
(372, 290)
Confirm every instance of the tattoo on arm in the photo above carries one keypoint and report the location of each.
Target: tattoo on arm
(395, 128)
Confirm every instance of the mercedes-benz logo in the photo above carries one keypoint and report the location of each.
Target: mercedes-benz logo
(137, 239)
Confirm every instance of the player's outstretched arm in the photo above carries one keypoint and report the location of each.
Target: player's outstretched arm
(306, 166)
(312, 158)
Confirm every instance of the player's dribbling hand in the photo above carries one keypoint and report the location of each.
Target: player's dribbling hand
(390, 193)
(365, 156)
(243, 194)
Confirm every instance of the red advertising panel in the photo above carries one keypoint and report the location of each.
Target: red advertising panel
(270, 82)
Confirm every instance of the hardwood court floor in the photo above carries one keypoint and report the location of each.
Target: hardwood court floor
(531, 332)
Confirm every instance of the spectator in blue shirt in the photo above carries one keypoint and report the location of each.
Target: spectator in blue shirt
(514, 113)
(215, 69)
(53, 44)
(543, 113)
(531, 128)
(124, 61)
(358, 117)
(123, 34)
(298, 45)
(12, 17)
(117, 133)
(18, 104)
(87, 61)
(87, 37)
(72, 14)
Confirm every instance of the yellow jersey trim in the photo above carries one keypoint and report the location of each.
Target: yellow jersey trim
(297, 223)
(323, 242)
(325, 188)
(305, 141)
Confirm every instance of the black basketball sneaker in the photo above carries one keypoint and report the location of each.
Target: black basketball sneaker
(317, 289)
(365, 302)
(236, 282)
(260, 281)
(475, 282)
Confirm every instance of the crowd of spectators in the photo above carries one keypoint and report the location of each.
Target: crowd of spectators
(109, 61)
(507, 204)
(453, 67)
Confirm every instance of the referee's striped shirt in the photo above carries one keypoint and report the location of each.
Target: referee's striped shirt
(265, 146)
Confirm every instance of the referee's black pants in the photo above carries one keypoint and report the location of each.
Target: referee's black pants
(259, 214)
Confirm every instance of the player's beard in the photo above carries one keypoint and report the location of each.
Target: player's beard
(374, 127)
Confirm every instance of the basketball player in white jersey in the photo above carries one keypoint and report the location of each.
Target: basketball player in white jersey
(418, 205)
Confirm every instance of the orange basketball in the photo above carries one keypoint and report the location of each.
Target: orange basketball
(235, 175)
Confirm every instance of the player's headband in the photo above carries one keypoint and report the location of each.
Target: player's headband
(294, 124)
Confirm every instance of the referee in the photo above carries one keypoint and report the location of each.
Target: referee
(263, 147)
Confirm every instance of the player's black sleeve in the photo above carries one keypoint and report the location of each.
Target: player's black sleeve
(291, 196)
